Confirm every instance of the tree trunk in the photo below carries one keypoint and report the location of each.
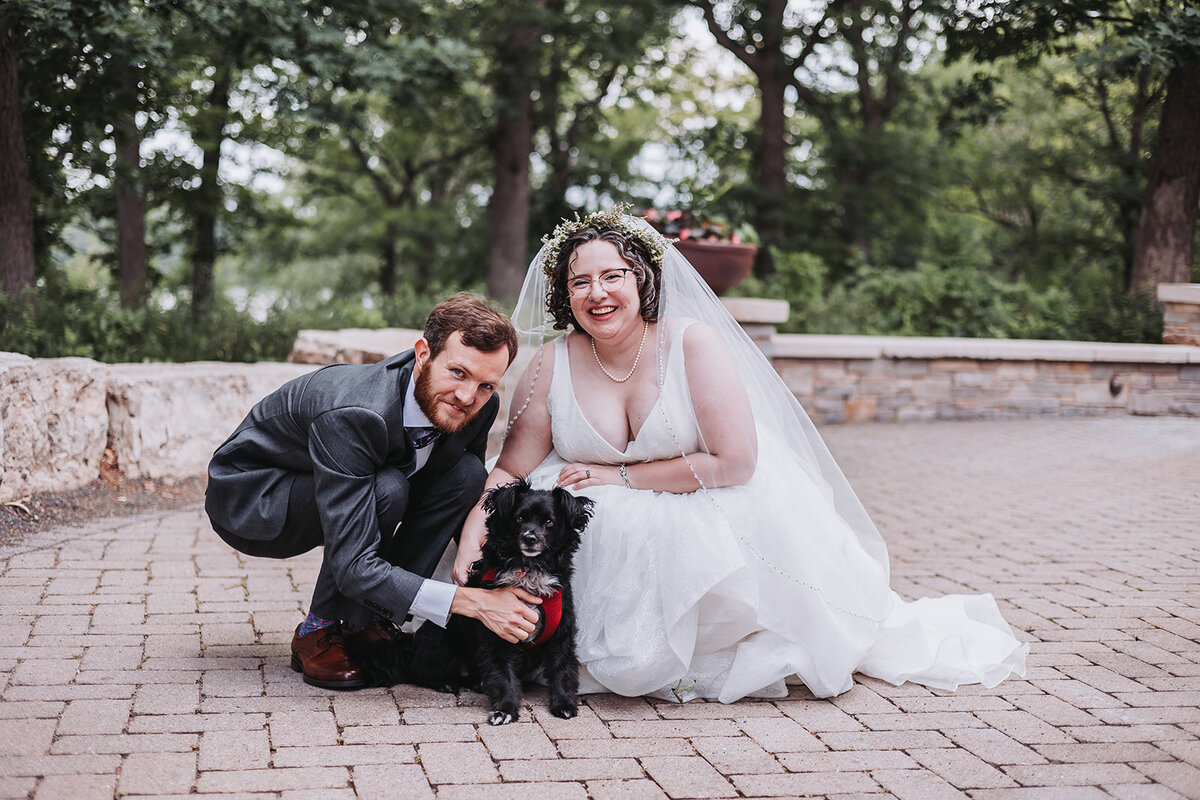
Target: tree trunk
(388, 260)
(772, 157)
(210, 132)
(1166, 234)
(513, 144)
(425, 252)
(16, 211)
(131, 207)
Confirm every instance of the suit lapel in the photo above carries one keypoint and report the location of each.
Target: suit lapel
(400, 452)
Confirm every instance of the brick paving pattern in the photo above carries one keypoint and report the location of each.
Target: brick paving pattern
(141, 657)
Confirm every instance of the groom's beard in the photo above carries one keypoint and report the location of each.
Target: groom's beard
(429, 405)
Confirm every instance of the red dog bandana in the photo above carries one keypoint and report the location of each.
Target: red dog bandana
(551, 607)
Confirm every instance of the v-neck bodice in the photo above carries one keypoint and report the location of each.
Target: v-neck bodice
(669, 428)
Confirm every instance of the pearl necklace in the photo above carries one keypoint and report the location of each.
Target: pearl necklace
(636, 359)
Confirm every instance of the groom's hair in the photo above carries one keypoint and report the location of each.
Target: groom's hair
(631, 249)
(482, 327)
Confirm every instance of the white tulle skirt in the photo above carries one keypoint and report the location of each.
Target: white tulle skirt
(734, 592)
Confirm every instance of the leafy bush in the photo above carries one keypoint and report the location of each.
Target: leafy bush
(91, 323)
(948, 300)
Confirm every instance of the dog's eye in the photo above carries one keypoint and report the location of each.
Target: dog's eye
(550, 522)
(520, 520)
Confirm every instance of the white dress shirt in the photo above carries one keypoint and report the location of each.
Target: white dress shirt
(434, 597)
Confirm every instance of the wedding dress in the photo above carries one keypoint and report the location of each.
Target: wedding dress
(730, 592)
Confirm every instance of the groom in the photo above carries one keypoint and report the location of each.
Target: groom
(379, 463)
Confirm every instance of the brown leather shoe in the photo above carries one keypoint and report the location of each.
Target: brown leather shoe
(379, 632)
(321, 656)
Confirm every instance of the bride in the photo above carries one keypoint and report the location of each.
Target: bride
(727, 553)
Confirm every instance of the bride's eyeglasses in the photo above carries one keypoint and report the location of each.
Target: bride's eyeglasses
(610, 280)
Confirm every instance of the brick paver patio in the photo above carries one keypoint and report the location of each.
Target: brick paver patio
(142, 657)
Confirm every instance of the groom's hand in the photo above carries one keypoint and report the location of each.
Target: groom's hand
(504, 611)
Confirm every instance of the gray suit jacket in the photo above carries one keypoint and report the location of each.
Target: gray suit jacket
(341, 423)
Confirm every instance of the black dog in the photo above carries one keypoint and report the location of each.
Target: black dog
(531, 541)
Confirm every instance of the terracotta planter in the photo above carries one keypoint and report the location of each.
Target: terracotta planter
(723, 265)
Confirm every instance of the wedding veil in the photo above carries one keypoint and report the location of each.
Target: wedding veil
(779, 418)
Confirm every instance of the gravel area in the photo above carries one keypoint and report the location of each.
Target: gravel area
(108, 497)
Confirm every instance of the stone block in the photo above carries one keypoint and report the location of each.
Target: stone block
(894, 401)
(953, 365)
(1145, 404)
(831, 371)
(799, 379)
(861, 409)
(757, 310)
(1052, 388)
(916, 415)
(1015, 372)
(912, 367)
(836, 391)
(870, 366)
(165, 420)
(1182, 293)
(973, 379)
(878, 384)
(350, 345)
(1098, 394)
(933, 388)
(1032, 405)
(53, 424)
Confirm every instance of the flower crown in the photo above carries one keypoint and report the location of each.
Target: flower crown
(615, 219)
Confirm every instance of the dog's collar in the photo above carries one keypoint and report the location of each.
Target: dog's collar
(551, 606)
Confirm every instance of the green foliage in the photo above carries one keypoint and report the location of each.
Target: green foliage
(91, 324)
(947, 300)
(999, 199)
(88, 322)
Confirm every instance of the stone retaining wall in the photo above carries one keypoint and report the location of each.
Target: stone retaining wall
(897, 379)
(57, 416)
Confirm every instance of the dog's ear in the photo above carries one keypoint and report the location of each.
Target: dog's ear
(575, 510)
(502, 500)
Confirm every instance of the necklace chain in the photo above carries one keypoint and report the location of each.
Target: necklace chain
(636, 359)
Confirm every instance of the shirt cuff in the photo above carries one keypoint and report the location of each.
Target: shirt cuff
(433, 602)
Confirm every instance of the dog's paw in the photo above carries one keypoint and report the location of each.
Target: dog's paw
(564, 710)
(500, 718)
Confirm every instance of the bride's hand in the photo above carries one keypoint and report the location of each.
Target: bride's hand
(582, 476)
(469, 551)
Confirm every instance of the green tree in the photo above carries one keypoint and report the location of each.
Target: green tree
(1164, 36)
(389, 136)
(548, 62)
(16, 209)
(873, 43)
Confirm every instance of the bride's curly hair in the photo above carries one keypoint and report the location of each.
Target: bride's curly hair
(645, 270)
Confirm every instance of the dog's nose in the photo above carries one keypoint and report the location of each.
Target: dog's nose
(529, 538)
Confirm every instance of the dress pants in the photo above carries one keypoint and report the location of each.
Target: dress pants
(417, 516)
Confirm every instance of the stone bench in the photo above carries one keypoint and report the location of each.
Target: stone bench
(58, 415)
(53, 423)
(165, 420)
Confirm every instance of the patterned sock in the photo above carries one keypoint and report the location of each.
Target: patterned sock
(314, 623)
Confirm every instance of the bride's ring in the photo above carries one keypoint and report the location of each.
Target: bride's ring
(587, 472)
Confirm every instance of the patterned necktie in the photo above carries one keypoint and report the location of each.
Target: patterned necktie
(422, 437)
